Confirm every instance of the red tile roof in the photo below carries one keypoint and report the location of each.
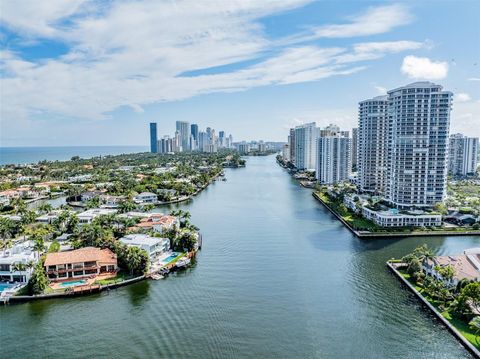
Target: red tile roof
(87, 254)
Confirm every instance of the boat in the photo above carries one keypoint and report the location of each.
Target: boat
(157, 276)
(224, 179)
(182, 262)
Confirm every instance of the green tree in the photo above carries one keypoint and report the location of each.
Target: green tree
(441, 208)
(28, 217)
(38, 281)
(93, 203)
(7, 228)
(45, 208)
(19, 205)
(185, 241)
(424, 254)
(468, 301)
(126, 206)
(54, 247)
(447, 272)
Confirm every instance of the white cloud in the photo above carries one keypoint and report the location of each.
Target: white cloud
(37, 18)
(462, 97)
(466, 118)
(474, 79)
(424, 68)
(137, 53)
(381, 90)
(375, 20)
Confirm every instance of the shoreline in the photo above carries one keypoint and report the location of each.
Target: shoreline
(361, 234)
(159, 204)
(369, 235)
(91, 289)
(469, 346)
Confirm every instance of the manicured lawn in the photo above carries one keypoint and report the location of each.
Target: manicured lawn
(360, 223)
(121, 276)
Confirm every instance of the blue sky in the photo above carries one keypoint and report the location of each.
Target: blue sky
(77, 72)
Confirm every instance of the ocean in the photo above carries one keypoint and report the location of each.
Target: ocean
(25, 155)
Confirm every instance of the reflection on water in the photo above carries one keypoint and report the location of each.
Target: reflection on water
(278, 277)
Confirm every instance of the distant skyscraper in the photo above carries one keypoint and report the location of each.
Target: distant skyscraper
(305, 145)
(183, 129)
(373, 142)
(221, 138)
(194, 131)
(153, 137)
(291, 145)
(354, 148)
(419, 116)
(333, 154)
(202, 141)
(463, 155)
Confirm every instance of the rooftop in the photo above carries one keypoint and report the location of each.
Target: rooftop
(87, 254)
(464, 266)
(141, 239)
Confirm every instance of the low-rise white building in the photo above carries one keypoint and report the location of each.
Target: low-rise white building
(89, 215)
(146, 197)
(21, 253)
(393, 218)
(154, 246)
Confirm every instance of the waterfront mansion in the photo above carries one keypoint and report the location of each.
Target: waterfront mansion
(80, 263)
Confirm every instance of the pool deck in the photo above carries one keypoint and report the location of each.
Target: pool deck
(57, 286)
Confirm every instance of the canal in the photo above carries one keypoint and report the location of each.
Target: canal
(278, 277)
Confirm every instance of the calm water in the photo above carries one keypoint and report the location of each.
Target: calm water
(278, 277)
(23, 155)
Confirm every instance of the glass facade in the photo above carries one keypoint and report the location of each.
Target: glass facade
(153, 137)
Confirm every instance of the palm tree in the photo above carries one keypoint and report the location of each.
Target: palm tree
(29, 217)
(39, 245)
(18, 267)
(45, 208)
(6, 231)
(424, 254)
(19, 205)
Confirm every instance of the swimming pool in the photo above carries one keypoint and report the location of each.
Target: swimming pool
(73, 283)
(4, 286)
(170, 258)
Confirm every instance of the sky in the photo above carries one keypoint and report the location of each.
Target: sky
(76, 72)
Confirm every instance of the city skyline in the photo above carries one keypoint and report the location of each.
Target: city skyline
(279, 64)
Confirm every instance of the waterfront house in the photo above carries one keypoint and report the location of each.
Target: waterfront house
(80, 178)
(89, 215)
(109, 201)
(80, 263)
(159, 222)
(146, 197)
(8, 195)
(466, 266)
(89, 195)
(48, 218)
(154, 246)
(20, 253)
